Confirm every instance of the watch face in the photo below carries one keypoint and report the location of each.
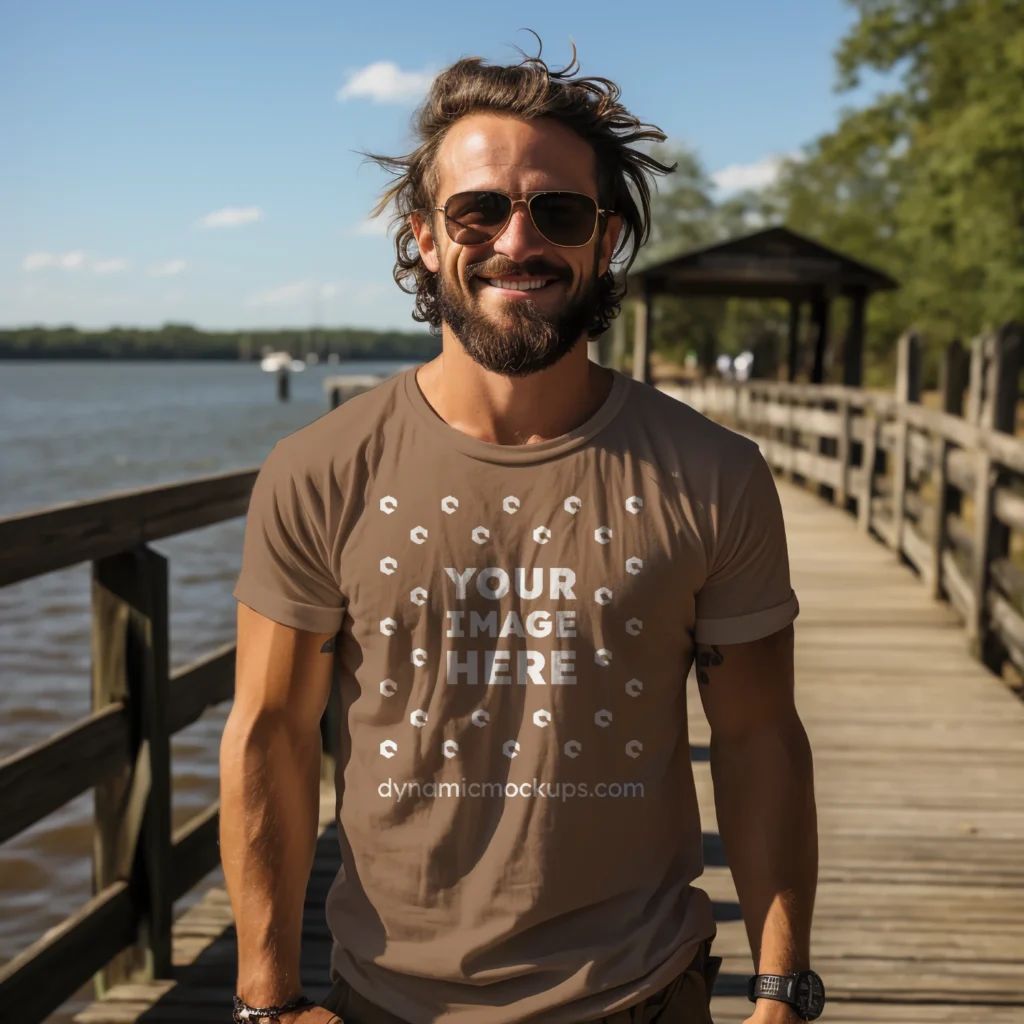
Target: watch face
(810, 995)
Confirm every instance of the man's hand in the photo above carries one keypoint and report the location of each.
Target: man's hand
(762, 771)
(314, 1015)
(270, 799)
(771, 1011)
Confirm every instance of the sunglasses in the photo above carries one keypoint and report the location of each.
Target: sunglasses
(566, 219)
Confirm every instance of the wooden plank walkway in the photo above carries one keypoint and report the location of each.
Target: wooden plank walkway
(919, 764)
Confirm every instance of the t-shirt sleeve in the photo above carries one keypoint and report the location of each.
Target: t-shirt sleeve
(747, 594)
(285, 573)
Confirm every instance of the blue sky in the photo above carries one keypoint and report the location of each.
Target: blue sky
(198, 162)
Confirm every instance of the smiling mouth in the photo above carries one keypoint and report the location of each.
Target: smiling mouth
(514, 284)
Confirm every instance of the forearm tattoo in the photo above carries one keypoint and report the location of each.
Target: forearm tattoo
(329, 645)
(708, 657)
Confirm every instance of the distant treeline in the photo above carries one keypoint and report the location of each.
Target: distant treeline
(182, 341)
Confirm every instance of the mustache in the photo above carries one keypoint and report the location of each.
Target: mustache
(497, 266)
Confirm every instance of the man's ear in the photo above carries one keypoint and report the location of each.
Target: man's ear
(424, 232)
(609, 239)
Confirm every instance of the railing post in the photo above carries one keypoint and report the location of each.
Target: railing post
(643, 325)
(868, 458)
(791, 437)
(992, 538)
(954, 373)
(976, 384)
(841, 493)
(617, 356)
(132, 839)
(908, 390)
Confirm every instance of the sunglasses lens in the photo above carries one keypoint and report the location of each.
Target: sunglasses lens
(472, 218)
(565, 218)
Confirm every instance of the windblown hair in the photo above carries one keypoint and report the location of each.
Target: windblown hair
(528, 90)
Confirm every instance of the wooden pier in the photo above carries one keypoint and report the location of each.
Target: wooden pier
(901, 522)
(919, 757)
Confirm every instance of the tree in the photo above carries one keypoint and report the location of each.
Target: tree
(928, 181)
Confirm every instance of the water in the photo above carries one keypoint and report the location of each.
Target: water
(70, 431)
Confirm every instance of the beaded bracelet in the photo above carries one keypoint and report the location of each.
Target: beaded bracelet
(244, 1012)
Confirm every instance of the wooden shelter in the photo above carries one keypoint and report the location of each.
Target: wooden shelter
(775, 263)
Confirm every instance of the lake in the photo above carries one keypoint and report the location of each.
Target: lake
(76, 430)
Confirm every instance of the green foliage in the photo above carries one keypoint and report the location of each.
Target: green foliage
(182, 341)
(928, 181)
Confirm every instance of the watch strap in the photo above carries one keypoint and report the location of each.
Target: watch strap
(773, 986)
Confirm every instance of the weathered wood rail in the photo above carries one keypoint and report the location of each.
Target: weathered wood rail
(942, 487)
(141, 866)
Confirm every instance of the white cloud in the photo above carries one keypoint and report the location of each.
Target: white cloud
(168, 269)
(372, 227)
(231, 217)
(738, 177)
(284, 295)
(65, 261)
(37, 260)
(301, 293)
(111, 266)
(385, 82)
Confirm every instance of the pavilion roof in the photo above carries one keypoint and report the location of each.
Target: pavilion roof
(772, 263)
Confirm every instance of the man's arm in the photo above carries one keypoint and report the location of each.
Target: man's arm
(764, 797)
(270, 796)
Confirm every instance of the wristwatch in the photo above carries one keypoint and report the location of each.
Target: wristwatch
(803, 991)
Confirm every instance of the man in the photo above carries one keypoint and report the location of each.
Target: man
(518, 555)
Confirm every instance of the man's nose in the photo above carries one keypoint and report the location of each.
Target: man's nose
(520, 240)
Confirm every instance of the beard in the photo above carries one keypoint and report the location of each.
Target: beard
(521, 340)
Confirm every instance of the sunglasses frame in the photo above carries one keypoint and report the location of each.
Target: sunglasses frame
(515, 198)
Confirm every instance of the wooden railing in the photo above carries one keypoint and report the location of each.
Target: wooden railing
(141, 866)
(944, 488)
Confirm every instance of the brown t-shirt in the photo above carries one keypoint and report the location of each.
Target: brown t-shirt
(517, 814)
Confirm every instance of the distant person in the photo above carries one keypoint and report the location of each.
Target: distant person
(515, 556)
